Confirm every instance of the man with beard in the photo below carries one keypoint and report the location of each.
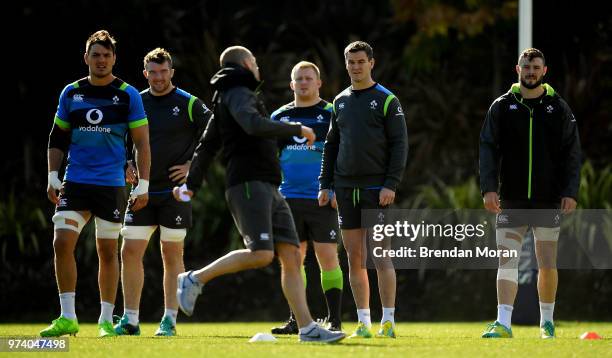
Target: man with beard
(530, 154)
(176, 121)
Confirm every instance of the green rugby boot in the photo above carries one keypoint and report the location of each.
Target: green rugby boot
(105, 329)
(386, 330)
(166, 328)
(61, 327)
(497, 330)
(124, 328)
(362, 331)
(547, 330)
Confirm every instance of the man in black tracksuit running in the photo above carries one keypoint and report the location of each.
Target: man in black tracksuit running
(530, 154)
(363, 161)
(242, 130)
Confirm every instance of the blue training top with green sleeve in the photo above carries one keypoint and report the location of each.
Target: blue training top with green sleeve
(98, 118)
(301, 163)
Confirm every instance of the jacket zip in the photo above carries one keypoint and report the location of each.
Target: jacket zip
(530, 145)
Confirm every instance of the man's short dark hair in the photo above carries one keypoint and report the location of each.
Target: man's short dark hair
(532, 53)
(359, 46)
(159, 56)
(102, 38)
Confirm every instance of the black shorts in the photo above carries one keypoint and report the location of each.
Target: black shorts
(106, 202)
(313, 222)
(524, 213)
(261, 215)
(162, 209)
(350, 203)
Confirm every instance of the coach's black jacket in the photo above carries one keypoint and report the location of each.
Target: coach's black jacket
(530, 154)
(242, 129)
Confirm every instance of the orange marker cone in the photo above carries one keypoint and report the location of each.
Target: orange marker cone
(590, 335)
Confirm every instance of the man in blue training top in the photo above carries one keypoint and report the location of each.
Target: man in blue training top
(91, 123)
(301, 165)
(176, 121)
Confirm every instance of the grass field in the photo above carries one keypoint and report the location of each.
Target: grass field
(415, 339)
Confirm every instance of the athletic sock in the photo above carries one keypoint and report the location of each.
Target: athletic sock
(363, 315)
(332, 282)
(504, 315)
(546, 312)
(172, 314)
(303, 272)
(106, 312)
(132, 316)
(67, 304)
(388, 315)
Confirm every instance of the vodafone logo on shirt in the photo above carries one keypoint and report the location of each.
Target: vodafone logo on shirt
(94, 116)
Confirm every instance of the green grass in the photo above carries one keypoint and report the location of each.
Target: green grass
(415, 339)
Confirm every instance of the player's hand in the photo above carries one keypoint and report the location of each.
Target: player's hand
(53, 185)
(181, 193)
(178, 173)
(568, 205)
(386, 197)
(309, 134)
(139, 197)
(140, 202)
(131, 175)
(334, 202)
(491, 202)
(323, 197)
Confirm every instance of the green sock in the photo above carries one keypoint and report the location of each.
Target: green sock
(332, 283)
(303, 271)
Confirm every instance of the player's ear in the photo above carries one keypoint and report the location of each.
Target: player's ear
(545, 70)
(319, 83)
(171, 73)
(292, 85)
(85, 58)
(518, 69)
(145, 73)
(372, 65)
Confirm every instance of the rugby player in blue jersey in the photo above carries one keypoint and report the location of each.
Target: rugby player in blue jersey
(301, 165)
(93, 118)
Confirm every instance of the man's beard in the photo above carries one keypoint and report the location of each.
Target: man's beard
(534, 85)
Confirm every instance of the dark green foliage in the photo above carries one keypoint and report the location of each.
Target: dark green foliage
(445, 60)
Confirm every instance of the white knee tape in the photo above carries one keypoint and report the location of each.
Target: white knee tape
(502, 239)
(507, 274)
(106, 229)
(172, 235)
(138, 232)
(60, 217)
(546, 233)
(510, 239)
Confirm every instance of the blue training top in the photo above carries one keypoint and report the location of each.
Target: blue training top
(301, 163)
(99, 118)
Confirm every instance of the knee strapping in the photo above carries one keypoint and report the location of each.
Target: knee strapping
(546, 233)
(138, 232)
(509, 239)
(172, 235)
(61, 217)
(107, 229)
